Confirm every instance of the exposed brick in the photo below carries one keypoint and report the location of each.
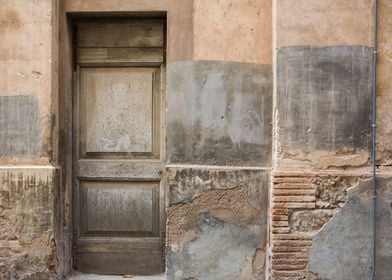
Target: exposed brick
(291, 180)
(294, 192)
(294, 186)
(288, 267)
(301, 273)
(280, 217)
(296, 261)
(294, 198)
(280, 223)
(295, 205)
(280, 230)
(279, 211)
(291, 236)
(293, 243)
(290, 255)
(289, 249)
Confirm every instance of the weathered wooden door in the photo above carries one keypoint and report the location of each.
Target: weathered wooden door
(118, 154)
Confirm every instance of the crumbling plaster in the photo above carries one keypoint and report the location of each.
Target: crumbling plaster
(342, 248)
(27, 219)
(216, 222)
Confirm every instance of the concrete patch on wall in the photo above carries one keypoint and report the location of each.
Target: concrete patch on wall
(342, 249)
(219, 113)
(217, 224)
(27, 246)
(323, 102)
(20, 130)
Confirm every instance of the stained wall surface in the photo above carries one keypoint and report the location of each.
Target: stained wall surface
(267, 115)
(321, 195)
(219, 144)
(26, 82)
(27, 179)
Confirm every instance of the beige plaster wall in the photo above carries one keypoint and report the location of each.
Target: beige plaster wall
(233, 30)
(26, 62)
(323, 23)
(384, 84)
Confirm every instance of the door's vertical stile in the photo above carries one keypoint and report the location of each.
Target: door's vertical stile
(75, 149)
(162, 191)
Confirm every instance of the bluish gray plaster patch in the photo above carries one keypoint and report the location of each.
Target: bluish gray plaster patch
(221, 252)
(323, 97)
(342, 250)
(219, 113)
(20, 134)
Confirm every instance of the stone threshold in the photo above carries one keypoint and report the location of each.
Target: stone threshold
(110, 277)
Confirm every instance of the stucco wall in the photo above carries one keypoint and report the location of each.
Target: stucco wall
(321, 194)
(235, 139)
(219, 143)
(26, 63)
(27, 180)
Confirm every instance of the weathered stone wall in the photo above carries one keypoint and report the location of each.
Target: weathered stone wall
(321, 191)
(27, 179)
(225, 127)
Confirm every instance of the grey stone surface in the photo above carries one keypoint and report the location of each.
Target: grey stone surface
(323, 97)
(20, 134)
(342, 250)
(219, 113)
(217, 224)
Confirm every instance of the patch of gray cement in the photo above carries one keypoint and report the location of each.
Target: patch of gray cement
(20, 134)
(342, 250)
(323, 97)
(219, 113)
(222, 251)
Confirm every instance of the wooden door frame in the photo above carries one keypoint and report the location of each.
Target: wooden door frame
(63, 114)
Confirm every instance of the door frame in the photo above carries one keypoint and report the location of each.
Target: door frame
(63, 137)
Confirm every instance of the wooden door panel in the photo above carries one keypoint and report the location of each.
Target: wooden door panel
(134, 262)
(125, 33)
(117, 112)
(122, 170)
(118, 157)
(115, 209)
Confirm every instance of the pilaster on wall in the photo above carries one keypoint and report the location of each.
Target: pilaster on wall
(219, 114)
(320, 197)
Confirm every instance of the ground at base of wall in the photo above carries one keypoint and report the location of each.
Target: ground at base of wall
(109, 277)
